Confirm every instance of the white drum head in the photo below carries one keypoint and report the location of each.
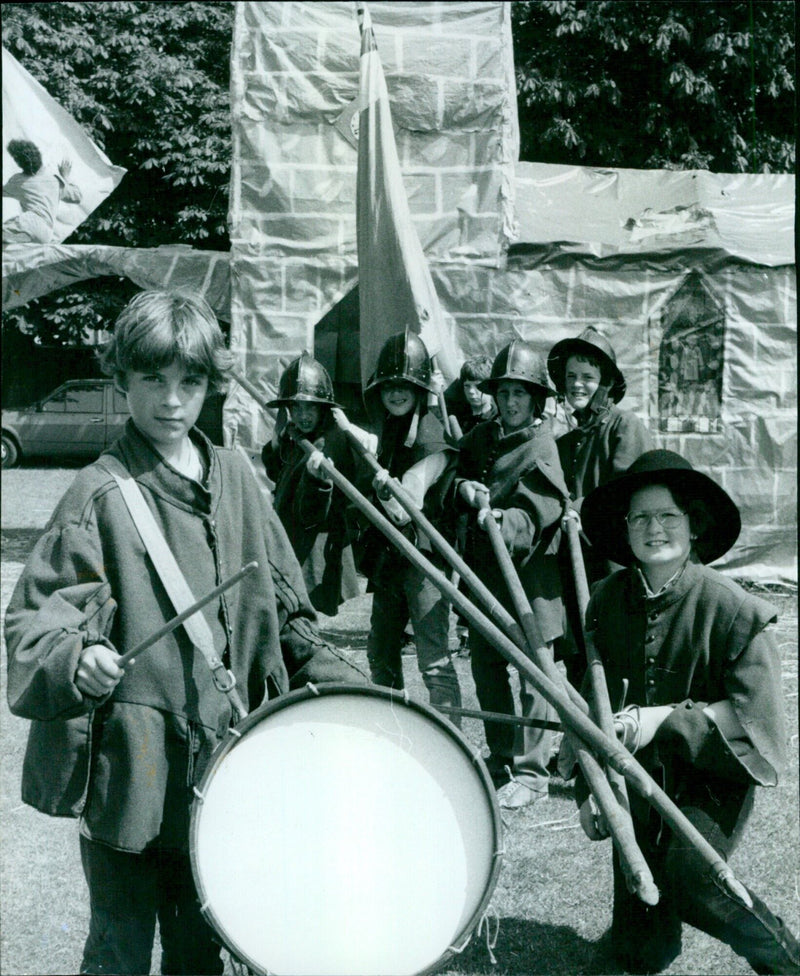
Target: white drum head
(348, 834)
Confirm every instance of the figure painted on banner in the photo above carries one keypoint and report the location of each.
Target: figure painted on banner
(514, 462)
(413, 448)
(464, 398)
(39, 193)
(123, 748)
(603, 443)
(313, 514)
(691, 375)
(704, 712)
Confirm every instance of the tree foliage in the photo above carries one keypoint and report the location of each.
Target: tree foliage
(149, 84)
(637, 83)
(670, 84)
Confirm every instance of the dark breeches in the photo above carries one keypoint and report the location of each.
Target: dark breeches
(647, 939)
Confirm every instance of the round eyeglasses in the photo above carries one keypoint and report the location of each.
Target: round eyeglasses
(638, 521)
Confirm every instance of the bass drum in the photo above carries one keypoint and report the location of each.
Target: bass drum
(345, 830)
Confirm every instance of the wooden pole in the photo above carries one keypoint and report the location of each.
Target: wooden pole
(572, 716)
(637, 873)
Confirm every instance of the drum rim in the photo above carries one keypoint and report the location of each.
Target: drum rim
(311, 691)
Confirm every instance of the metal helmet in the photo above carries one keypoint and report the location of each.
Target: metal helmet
(403, 357)
(305, 379)
(518, 361)
(588, 344)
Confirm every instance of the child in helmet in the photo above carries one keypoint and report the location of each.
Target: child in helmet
(513, 461)
(604, 442)
(412, 448)
(311, 512)
(706, 714)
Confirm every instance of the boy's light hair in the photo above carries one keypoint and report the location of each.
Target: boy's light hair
(158, 328)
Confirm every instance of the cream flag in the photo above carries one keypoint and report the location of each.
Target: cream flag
(30, 113)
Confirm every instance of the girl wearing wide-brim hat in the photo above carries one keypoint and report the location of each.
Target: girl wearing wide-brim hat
(705, 713)
(602, 442)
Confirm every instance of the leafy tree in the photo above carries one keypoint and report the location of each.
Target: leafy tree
(671, 84)
(149, 83)
(685, 84)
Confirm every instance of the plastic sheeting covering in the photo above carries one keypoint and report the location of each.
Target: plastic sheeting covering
(294, 84)
(736, 330)
(689, 274)
(627, 211)
(33, 270)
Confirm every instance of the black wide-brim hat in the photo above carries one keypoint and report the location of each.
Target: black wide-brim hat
(604, 509)
(594, 346)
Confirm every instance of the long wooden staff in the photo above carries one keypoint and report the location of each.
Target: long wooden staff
(638, 876)
(496, 611)
(611, 751)
(446, 420)
(597, 674)
(601, 702)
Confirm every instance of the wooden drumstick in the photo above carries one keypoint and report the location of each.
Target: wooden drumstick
(176, 621)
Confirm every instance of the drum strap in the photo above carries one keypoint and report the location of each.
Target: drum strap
(173, 580)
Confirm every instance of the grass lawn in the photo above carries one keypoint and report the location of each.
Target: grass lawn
(552, 902)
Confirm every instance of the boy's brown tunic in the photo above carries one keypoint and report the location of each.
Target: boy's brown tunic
(128, 764)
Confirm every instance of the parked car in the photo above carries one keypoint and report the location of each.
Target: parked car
(79, 419)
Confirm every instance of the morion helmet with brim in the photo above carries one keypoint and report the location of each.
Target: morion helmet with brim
(604, 509)
(304, 380)
(518, 361)
(589, 344)
(403, 357)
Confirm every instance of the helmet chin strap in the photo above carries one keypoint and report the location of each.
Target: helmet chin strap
(599, 399)
(596, 405)
(569, 415)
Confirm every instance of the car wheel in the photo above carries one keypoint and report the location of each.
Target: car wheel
(9, 452)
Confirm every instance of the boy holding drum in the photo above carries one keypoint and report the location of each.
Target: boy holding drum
(122, 748)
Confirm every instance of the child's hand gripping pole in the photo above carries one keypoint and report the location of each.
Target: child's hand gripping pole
(568, 703)
(361, 439)
(617, 817)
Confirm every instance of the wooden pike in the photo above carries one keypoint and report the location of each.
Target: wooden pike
(573, 716)
(637, 873)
